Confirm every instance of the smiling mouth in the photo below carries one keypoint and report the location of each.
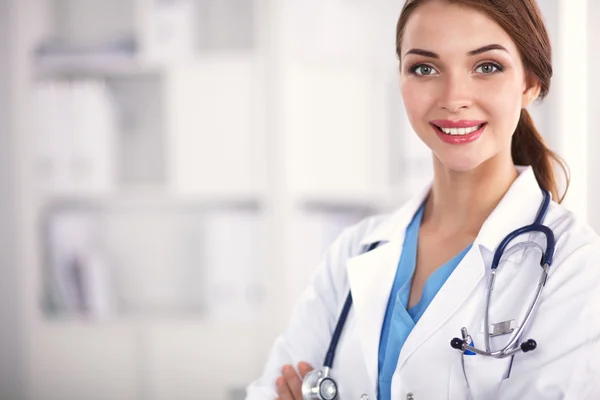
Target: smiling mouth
(459, 131)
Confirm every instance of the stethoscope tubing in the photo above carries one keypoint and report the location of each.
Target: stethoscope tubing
(512, 347)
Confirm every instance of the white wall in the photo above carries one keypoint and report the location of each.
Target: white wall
(593, 95)
(11, 356)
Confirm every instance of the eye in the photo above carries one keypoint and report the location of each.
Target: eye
(489, 68)
(423, 70)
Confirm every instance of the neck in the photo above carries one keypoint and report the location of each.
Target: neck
(460, 202)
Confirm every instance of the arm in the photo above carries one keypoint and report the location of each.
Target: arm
(314, 316)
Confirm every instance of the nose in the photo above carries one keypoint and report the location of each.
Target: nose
(456, 93)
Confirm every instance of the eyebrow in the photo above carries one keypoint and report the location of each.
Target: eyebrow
(431, 54)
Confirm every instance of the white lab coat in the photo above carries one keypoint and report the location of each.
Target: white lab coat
(566, 325)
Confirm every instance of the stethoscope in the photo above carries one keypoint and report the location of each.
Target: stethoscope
(319, 385)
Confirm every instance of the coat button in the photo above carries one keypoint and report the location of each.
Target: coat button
(364, 396)
(410, 396)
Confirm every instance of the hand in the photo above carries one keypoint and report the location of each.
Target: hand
(289, 385)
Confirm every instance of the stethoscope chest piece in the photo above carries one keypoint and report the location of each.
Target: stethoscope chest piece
(318, 385)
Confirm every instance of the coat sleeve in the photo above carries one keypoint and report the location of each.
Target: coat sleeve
(314, 316)
(567, 328)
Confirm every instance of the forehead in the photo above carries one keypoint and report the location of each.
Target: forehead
(441, 26)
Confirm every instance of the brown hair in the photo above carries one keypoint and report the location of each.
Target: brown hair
(523, 21)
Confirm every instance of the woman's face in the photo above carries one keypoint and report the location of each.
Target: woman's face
(463, 83)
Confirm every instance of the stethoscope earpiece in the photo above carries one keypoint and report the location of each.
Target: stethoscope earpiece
(318, 385)
(528, 345)
(457, 343)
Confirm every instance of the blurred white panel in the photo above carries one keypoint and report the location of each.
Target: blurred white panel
(312, 232)
(216, 127)
(410, 161)
(93, 158)
(53, 136)
(234, 243)
(330, 123)
(74, 362)
(226, 25)
(156, 260)
(546, 113)
(593, 76)
(326, 29)
(140, 104)
(199, 361)
(383, 16)
(573, 90)
(92, 21)
(167, 30)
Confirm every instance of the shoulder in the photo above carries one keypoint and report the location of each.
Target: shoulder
(351, 243)
(576, 266)
(572, 234)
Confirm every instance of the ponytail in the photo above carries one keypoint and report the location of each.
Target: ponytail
(529, 148)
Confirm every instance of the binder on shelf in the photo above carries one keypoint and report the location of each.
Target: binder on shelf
(76, 271)
(75, 131)
(52, 133)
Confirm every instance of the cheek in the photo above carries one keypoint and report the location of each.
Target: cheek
(416, 102)
(503, 103)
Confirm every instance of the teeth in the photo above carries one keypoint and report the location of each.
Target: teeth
(461, 131)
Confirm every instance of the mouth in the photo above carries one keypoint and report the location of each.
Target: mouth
(465, 133)
(459, 131)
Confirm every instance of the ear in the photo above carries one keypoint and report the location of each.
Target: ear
(531, 92)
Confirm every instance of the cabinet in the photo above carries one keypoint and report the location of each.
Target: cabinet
(190, 163)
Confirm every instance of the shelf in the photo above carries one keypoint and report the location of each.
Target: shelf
(367, 201)
(156, 197)
(338, 201)
(173, 321)
(91, 65)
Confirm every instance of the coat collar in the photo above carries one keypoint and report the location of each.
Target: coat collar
(371, 274)
(518, 207)
(393, 229)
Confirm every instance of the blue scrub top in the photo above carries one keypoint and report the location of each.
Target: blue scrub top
(399, 321)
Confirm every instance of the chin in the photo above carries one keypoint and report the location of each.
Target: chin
(461, 164)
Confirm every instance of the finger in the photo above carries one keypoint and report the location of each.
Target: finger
(304, 368)
(293, 381)
(282, 389)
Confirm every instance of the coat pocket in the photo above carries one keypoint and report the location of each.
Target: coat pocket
(483, 375)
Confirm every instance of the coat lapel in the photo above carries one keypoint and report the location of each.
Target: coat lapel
(371, 276)
(453, 294)
(516, 209)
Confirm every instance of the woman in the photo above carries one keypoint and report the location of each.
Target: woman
(469, 68)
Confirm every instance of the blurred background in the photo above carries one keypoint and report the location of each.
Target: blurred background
(171, 172)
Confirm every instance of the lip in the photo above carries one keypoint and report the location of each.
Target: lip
(459, 139)
(463, 123)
